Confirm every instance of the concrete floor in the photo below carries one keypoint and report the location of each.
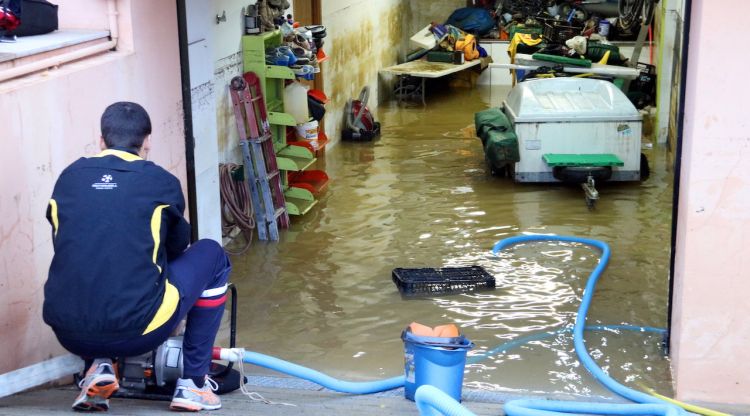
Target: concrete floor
(302, 398)
(306, 398)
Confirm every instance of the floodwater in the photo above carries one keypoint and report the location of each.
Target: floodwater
(420, 196)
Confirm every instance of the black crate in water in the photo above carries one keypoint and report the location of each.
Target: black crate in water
(429, 281)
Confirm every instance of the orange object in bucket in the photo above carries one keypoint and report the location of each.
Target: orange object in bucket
(443, 331)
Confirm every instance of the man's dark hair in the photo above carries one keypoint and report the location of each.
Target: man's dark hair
(125, 124)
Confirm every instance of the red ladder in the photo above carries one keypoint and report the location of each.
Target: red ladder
(261, 170)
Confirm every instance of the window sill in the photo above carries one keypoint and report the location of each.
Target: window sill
(33, 48)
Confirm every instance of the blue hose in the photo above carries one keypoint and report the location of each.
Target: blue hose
(430, 399)
(507, 346)
(367, 387)
(646, 404)
(363, 387)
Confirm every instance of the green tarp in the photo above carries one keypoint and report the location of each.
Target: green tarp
(499, 141)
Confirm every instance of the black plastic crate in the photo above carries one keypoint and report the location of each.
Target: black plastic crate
(447, 280)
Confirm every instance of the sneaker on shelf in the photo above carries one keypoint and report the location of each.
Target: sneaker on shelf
(277, 58)
(302, 69)
(301, 52)
(189, 397)
(288, 52)
(97, 385)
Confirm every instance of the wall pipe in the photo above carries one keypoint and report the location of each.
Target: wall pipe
(58, 60)
(187, 118)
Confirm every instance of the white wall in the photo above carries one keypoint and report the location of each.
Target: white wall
(670, 28)
(201, 40)
(215, 58)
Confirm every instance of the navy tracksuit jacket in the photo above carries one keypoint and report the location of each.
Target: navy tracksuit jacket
(116, 221)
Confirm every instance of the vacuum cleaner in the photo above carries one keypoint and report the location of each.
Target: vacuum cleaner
(360, 124)
(153, 376)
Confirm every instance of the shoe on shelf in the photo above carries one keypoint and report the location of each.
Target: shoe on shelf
(277, 58)
(189, 397)
(288, 52)
(97, 385)
(300, 70)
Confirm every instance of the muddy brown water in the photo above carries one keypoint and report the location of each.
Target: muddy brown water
(420, 196)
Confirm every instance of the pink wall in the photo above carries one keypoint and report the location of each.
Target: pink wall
(48, 121)
(82, 14)
(711, 329)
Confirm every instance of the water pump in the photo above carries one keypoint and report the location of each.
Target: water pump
(153, 375)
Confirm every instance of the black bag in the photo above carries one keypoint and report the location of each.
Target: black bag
(37, 18)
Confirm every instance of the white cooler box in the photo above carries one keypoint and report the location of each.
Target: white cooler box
(573, 119)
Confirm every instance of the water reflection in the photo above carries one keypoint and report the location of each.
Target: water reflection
(420, 197)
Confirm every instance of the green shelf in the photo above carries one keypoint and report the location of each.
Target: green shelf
(299, 201)
(299, 193)
(279, 72)
(294, 158)
(298, 206)
(259, 43)
(289, 158)
(280, 118)
(275, 106)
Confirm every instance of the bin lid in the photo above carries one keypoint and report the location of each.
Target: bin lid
(569, 99)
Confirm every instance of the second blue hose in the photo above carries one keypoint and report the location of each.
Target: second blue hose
(583, 310)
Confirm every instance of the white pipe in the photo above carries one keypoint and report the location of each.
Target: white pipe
(623, 72)
(39, 373)
(58, 60)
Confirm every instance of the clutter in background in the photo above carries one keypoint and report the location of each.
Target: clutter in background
(301, 49)
(445, 43)
(560, 32)
(616, 20)
(270, 13)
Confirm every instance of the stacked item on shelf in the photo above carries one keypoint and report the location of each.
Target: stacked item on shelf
(301, 50)
(287, 105)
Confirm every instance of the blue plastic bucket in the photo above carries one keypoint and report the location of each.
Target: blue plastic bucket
(435, 361)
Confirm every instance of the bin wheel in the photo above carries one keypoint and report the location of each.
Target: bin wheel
(645, 169)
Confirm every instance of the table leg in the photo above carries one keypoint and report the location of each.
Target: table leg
(423, 82)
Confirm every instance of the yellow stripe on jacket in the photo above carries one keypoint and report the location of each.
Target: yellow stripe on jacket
(156, 232)
(166, 310)
(171, 295)
(53, 215)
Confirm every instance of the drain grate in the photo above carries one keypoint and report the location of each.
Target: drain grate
(441, 281)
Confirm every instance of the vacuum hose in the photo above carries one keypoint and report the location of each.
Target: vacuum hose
(647, 404)
(262, 360)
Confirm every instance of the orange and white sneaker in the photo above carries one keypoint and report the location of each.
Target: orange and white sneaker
(189, 397)
(99, 383)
